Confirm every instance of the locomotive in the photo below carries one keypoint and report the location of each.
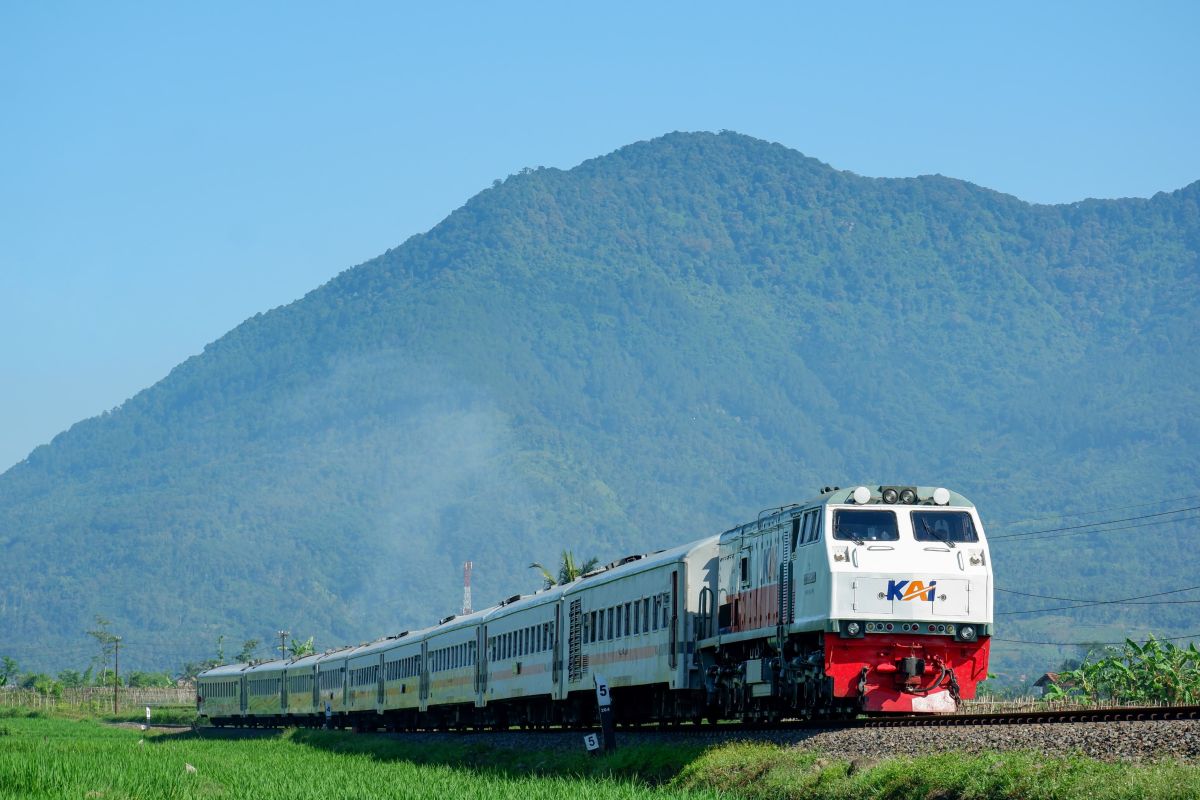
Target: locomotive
(869, 600)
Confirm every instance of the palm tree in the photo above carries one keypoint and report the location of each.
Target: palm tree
(569, 569)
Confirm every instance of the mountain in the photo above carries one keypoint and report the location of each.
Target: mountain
(636, 352)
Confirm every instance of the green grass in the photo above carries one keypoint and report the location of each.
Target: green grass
(762, 771)
(59, 757)
(159, 715)
(64, 758)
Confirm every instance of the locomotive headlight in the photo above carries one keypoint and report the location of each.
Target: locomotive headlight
(853, 628)
(889, 495)
(862, 495)
(941, 497)
(908, 497)
(966, 633)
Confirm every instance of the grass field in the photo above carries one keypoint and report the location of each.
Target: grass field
(44, 757)
(64, 758)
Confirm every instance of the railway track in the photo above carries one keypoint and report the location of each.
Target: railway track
(1030, 717)
(1111, 734)
(1082, 715)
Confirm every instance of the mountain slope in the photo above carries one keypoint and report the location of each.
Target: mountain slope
(622, 356)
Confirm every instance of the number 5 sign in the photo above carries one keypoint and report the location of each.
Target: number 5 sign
(603, 698)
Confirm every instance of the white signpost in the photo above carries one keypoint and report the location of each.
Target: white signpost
(607, 738)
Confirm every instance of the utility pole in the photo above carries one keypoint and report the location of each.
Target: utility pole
(283, 643)
(467, 567)
(116, 671)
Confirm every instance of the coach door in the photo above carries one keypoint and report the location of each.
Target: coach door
(673, 653)
(424, 693)
(481, 664)
(556, 644)
(381, 677)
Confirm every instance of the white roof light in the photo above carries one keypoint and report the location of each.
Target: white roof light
(941, 496)
(862, 495)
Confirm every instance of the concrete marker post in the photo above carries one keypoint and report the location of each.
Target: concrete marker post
(607, 723)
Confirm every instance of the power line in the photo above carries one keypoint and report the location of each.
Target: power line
(1090, 603)
(1098, 511)
(1008, 540)
(1092, 644)
(1088, 600)
(1093, 524)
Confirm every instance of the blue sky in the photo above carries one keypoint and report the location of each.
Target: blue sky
(168, 171)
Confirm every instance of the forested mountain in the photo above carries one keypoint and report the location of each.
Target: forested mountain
(642, 350)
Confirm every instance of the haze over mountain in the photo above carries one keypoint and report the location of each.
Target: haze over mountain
(623, 356)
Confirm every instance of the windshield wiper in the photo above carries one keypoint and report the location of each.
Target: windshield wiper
(853, 538)
(930, 531)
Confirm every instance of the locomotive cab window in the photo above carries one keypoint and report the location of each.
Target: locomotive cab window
(943, 526)
(865, 525)
(813, 531)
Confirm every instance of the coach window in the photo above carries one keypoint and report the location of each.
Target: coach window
(628, 630)
(608, 627)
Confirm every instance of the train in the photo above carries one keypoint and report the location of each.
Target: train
(865, 600)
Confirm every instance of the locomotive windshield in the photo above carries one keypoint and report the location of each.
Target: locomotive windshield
(943, 526)
(865, 526)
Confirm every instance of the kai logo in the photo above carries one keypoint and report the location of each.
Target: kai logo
(910, 590)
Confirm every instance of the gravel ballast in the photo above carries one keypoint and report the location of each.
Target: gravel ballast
(1106, 741)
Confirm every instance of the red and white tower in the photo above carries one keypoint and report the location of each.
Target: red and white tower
(467, 587)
